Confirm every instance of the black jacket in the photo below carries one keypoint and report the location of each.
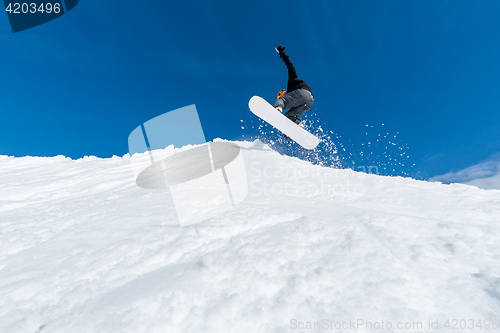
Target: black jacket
(294, 82)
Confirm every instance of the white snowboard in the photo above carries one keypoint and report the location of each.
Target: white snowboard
(262, 109)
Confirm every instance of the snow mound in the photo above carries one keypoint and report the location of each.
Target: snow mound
(84, 249)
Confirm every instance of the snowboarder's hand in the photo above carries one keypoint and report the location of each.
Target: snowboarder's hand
(281, 50)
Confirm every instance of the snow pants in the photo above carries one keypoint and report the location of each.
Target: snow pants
(299, 101)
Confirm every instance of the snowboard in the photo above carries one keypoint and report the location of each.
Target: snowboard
(262, 109)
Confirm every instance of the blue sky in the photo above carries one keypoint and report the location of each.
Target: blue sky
(426, 72)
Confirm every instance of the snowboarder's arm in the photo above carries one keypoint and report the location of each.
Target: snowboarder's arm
(292, 74)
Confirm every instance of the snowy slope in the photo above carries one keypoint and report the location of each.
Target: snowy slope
(83, 249)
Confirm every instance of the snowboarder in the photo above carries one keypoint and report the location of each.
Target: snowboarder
(297, 96)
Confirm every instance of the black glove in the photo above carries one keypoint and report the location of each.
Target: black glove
(281, 50)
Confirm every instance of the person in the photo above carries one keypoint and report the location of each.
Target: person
(297, 97)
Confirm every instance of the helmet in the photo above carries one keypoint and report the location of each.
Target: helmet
(282, 93)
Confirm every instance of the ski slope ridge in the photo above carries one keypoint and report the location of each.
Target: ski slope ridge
(84, 249)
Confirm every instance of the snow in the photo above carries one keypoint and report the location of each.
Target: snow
(84, 249)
